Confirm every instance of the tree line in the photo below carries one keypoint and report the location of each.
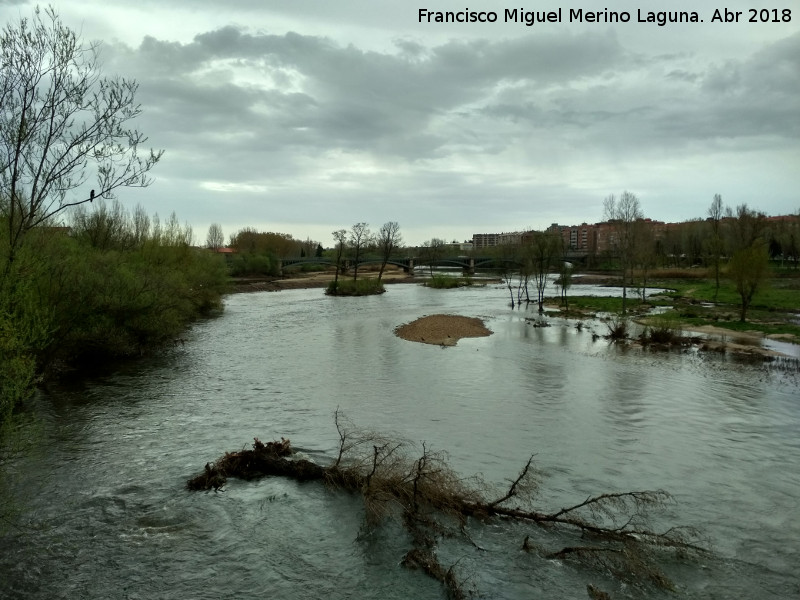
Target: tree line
(739, 241)
(734, 243)
(259, 252)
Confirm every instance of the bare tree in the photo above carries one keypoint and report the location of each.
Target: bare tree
(61, 123)
(433, 251)
(388, 240)
(141, 225)
(360, 238)
(340, 236)
(544, 248)
(746, 227)
(215, 237)
(645, 253)
(506, 259)
(623, 214)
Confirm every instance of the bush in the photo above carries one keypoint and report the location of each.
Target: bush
(663, 330)
(617, 328)
(359, 287)
(252, 264)
(446, 282)
(66, 300)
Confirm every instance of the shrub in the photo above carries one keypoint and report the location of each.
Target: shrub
(252, 264)
(358, 287)
(664, 330)
(445, 282)
(617, 328)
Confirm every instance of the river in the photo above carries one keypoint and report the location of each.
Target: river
(100, 508)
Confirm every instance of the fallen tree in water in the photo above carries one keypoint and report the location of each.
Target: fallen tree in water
(432, 501)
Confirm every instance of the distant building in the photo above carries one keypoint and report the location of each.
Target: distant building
(607, 233)
(514, 238)
(488, 240)
(484, 240)
(581, 237)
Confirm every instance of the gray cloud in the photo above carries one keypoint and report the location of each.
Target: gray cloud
(324, 114)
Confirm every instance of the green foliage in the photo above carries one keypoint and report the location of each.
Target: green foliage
(445, 282)
(65, 299)
(117, 304)
(17, 367)
(25, 324)
(357, 287)
(246, 263)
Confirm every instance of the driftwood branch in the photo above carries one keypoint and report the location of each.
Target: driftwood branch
(513, 490)
(430, 497)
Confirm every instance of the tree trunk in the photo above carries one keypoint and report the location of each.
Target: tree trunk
(624, 289)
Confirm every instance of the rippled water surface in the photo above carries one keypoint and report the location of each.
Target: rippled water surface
(101, 510)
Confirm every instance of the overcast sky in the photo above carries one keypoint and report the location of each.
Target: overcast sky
(307, 116)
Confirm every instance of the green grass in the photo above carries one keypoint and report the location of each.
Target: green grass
(359, 287)
(782, 294)
(775, 308)
(600, 304)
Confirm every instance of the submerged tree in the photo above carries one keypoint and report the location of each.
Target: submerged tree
(506, 259)
(542, 251)
(418, 487)
(62, 123)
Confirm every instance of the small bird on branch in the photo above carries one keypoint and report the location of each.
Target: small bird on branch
(91, 196)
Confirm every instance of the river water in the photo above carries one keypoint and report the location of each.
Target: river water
(100, 508)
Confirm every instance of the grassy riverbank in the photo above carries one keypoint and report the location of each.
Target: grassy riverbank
(775, 310)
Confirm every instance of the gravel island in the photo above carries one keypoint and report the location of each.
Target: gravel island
(442, 330)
